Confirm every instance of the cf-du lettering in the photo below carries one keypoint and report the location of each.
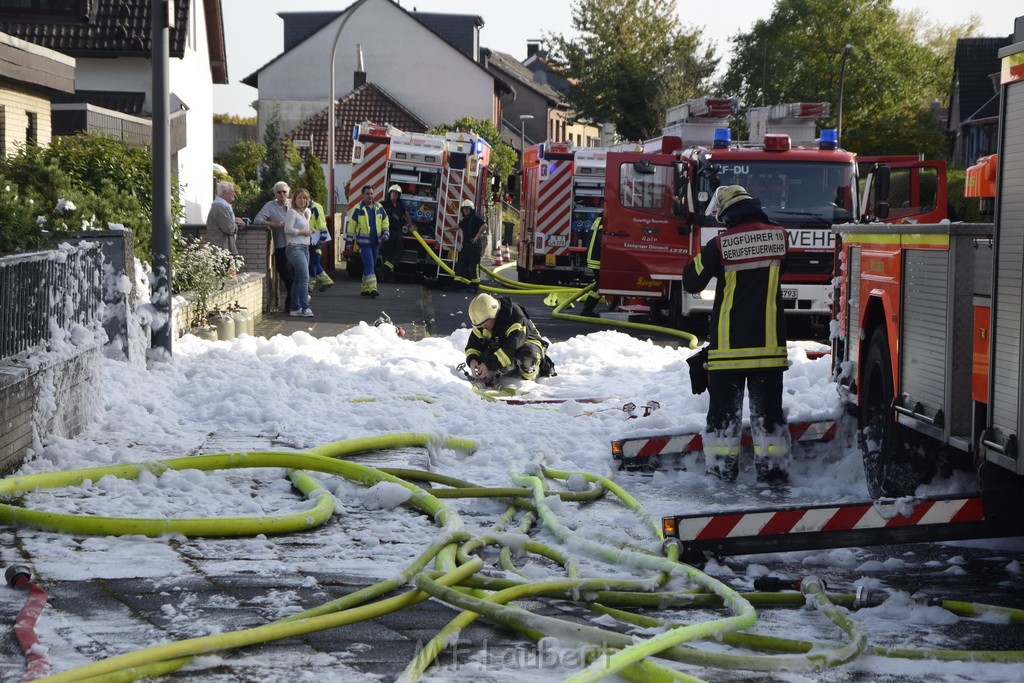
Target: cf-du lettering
(811, 239)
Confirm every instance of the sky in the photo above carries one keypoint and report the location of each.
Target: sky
(253, 31)
(291, 393)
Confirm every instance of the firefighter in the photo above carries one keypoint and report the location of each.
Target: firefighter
(467, 267)
(369, 224)
(398, 217)
(504, 341)
(747, 335)
(594, 263)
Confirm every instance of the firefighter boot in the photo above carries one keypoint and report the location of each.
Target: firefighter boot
(324, 280)
(722, 456)
(771, 456)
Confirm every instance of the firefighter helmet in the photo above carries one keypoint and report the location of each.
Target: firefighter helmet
(467, 204)
(395, 188)
(482, 308)
(724, 197)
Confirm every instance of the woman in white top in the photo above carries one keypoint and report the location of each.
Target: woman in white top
(296, 233)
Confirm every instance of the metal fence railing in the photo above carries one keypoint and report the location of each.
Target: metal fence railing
(43, 292)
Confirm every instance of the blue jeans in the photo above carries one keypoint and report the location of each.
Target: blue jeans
(298, 258)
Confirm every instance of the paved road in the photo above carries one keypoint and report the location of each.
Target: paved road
(423, 309)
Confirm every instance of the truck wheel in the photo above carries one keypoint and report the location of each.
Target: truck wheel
(895, 458)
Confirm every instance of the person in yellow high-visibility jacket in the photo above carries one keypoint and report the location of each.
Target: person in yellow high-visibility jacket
(368, 222)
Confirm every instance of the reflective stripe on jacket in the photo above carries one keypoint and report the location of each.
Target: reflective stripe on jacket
(748, 329)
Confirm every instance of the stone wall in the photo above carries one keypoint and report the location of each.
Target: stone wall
(245, 289)
(51, 396)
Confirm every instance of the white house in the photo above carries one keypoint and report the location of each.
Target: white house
(111, 44)
(399, 52)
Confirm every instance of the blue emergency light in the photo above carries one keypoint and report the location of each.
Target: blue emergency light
(355, 132)
(723, 138)
(479, 145)
(829, 138)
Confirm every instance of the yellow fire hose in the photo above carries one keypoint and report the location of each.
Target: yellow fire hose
(454, 552)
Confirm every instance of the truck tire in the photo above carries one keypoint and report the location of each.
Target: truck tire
(896, 461)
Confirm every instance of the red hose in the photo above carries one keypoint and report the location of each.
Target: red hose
(37, 663)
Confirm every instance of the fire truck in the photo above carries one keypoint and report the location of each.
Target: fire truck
(657, 194)
(928, 359)
(562, 196)
(436, 173)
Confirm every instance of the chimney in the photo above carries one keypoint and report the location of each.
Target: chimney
(359, 78)
(533, 47)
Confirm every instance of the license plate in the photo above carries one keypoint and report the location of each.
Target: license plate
(556, 241)
(788, 293)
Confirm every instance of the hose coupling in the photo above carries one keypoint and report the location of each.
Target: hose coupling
(867, 597)
(812, 583)
(17, 575)
(672, 543)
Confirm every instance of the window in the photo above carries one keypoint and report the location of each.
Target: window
(32, 129)
(645, 188)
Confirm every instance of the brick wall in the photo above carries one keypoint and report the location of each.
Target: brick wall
(246, 289)
(255, 244)
(52, 396)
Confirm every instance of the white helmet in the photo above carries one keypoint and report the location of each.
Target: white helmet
(724, 197)
(482, 308)
(395, 188)
(467, 204)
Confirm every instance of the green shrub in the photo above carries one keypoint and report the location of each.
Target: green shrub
(80, 182)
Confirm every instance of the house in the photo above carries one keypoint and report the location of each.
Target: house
(580, 134)
(32, 75)
(110, 41)
(535, 111)
(974, 101)
(416, 65)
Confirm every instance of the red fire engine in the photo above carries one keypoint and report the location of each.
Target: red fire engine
(436, 173)
(656, 197)
(562, 196)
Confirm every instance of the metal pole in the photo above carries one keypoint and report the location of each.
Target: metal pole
(161, 175)
(330, 111)
(839, 114)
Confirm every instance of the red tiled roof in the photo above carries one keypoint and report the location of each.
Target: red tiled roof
(368, 102)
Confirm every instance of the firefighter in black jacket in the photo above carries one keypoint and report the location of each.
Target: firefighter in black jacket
(748, 334)
(504, 341)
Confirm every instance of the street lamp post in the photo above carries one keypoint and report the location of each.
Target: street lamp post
(839, 114)
(523, 118)
(330, 112)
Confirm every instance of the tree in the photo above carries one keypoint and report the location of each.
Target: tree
(892, 76)
(274, 166)
(313, 180)
(631, 62)
(243, 161)
(503, 157)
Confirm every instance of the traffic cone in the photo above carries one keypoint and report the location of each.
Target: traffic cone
(498, 258)
(508, 253)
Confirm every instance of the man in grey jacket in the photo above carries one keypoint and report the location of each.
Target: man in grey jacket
(221, 224)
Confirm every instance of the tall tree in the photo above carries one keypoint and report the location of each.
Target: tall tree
(274, 167)
(313, 179)
(631, 61)
(896, 69)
